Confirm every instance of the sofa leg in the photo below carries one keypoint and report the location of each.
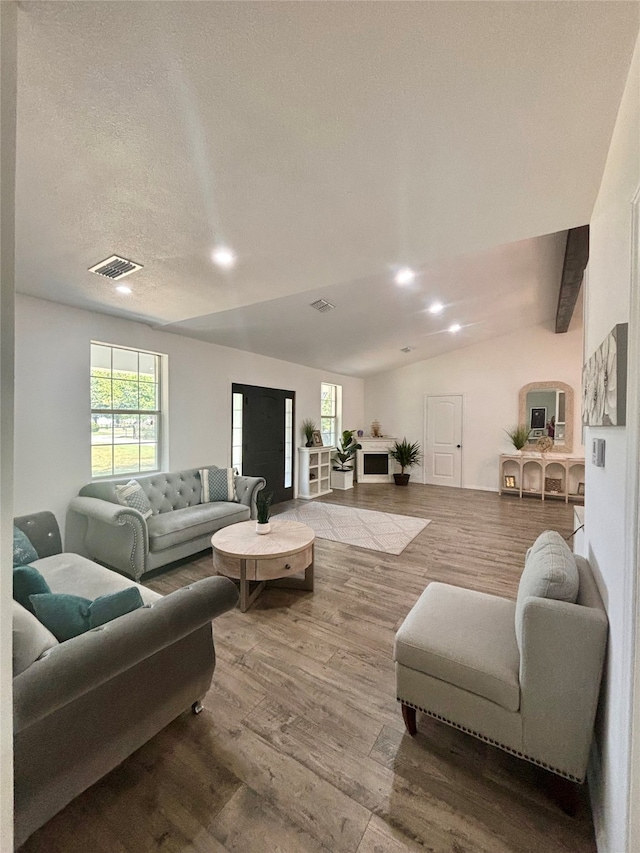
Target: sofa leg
(409, 717)
(197, 707)
(564, 793)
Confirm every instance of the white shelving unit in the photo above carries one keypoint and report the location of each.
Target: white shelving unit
(542, 476)
(314, 471)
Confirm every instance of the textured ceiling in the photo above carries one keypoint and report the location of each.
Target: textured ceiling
(327, 143)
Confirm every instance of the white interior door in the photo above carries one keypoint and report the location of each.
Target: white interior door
(443, 442)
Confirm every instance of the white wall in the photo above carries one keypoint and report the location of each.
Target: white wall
(490, 376)
(52, 450)
(607, 536)
(8, 52)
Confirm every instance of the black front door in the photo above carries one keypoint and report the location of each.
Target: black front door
(265, 430)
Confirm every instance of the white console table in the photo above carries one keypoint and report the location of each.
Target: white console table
(548, 476)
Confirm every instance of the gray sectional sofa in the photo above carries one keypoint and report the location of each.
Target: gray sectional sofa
(122, 539)
(82, 706)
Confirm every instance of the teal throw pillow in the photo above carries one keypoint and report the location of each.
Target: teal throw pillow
(23, 550)
(28, 581)
(218, 484)
(68, 616)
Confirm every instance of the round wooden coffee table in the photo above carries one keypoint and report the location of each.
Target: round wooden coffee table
(239, 552)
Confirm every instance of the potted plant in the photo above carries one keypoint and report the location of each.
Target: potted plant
(519, 435)
(342, 474)
(406, 455)
(263, 511)
(308, 428)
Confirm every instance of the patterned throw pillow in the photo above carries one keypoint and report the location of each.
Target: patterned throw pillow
(133, 495)
(218, 484)
(23, 550)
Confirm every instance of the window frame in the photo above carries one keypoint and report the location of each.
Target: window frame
(114, 412)
(336, 418)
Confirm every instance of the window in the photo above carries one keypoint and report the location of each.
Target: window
(125, 411)
(330, 405)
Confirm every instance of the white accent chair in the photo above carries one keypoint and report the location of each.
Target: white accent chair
(524, 675)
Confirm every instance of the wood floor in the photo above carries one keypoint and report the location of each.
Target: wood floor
(301, 746)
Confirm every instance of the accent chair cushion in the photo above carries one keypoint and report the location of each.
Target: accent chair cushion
(132, 495)
(218, 484)
(30, 639)
(23, 550)
(27, 581)
(550, 571)
(464, 638)
(68, 616)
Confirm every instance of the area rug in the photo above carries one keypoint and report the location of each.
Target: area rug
(377, 531)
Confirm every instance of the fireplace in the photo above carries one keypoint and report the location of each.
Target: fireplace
(373, 464)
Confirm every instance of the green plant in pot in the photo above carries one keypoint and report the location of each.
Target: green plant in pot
(406, 455)
(346, 450)
(263, 511)
(519, 435)
(308, 428)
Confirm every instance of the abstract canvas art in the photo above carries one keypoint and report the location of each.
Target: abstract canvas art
(604, 381)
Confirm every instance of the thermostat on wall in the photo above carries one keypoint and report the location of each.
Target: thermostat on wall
(597, 452)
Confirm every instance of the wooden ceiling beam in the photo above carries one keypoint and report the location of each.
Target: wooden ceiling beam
(576, 256)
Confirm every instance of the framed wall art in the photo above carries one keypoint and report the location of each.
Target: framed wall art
(604, 381)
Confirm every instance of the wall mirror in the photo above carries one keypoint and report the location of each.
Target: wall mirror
(547, 410)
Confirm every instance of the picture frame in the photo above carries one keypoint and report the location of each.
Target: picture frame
(510, 482)
(538, 417)
(553, 485)
(580, 489)
(316, 438)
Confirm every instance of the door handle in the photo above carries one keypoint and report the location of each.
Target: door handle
(458, 446)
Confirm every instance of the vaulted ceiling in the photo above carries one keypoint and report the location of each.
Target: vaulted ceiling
(328, 144)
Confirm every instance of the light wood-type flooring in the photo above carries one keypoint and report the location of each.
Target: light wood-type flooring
(301, 746)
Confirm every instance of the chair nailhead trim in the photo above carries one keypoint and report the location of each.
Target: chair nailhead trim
(492, 742)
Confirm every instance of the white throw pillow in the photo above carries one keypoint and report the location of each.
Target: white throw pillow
(132, 495)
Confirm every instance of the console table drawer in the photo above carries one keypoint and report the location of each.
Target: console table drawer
(268, 568)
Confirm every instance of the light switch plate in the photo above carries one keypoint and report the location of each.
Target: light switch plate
(597, 452)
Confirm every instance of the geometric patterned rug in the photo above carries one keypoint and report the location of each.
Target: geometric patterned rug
(377, 531)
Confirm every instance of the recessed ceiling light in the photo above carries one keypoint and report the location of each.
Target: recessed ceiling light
(404, 276)
(455, 327)
(436, 308)
(122, 288)
(224, 257)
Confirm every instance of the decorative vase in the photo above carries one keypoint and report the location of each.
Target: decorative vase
(309, 444)
(401, 479)
(263, 528)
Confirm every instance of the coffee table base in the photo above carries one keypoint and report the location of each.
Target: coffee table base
(249, 595)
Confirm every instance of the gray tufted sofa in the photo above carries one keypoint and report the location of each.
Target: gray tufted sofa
(120, 538)
(81, 707)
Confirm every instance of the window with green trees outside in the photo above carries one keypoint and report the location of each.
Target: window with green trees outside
(330, 405)
(125, 411)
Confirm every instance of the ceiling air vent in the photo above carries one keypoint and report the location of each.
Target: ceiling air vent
(322, 305)
(406, 349)
(115, 267)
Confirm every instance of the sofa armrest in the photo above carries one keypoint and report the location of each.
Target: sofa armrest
(563, 650)
(247, 488)
(75, 667)
(116, 535)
